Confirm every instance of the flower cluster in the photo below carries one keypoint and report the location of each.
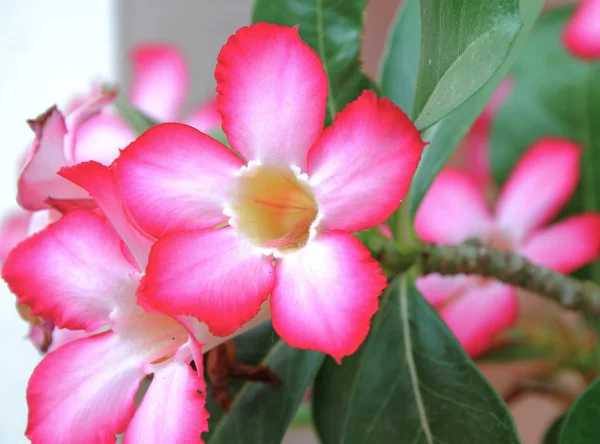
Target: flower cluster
(149, 256)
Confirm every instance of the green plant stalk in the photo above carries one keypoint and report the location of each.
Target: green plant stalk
(477, 259)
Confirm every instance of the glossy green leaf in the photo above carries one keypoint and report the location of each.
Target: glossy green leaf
(447, 134)
(333, 29)
(401, 57)
(581, 423)
(136, 119)
(410, 382)
(553, 433)
(261, 413)
(556, 95)
(463, 43)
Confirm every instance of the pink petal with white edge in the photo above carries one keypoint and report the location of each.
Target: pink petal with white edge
(480, 314)
(13, 230)
(272, 91)
(174, 178)
(102, 185)
(38, 179)
(205, 118)
(326, 294)
(173, 408)
(362, 165)
(101, 137)
(72, 273)
(83, 392)
(582, 33)
(437, 289)
(566, 245)
(539, 186)
(160, 80)
(453, 210)
(211, 275)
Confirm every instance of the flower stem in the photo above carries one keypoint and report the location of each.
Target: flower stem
(475, 258)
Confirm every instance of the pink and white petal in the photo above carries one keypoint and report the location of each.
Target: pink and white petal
(41, 219)
(174, 178)
(539, 186)
(101, 138)
(272, 93)
(83, 392)
(480, 314)
(211, 275)
(13, 229)
(100, 182)
(438, 289)
(64, 336)
(582, 33)
(173, 408)
(453, 210)
(205, 117)
(39, 180)
(72, 273)
(362, 165)
(567, 245)
(326, 294)
(160, 80)
(40, 334)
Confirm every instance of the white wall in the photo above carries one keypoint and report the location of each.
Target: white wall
(49, 50)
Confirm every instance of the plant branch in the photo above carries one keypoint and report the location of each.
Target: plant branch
(475, 258)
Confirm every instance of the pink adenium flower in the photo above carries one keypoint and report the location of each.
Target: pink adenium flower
(277, 221)
(582, 33)
(454, 210)
(82, 273)
(93, 131)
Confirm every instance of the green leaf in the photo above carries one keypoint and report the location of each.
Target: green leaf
(333, 29)
(401, 57)
(410, 382)
(463, 43)
(261, 413)
(556, 95)
(447, 134)
(581, 423)
(138, 121)
(517, 352)
(553, 433)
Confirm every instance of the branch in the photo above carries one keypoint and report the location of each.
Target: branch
(506, 266)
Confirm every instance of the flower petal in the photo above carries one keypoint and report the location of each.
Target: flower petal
(566, 245)
(14, 229)
(39, 180)
(72, 273)
(529, 198)
(100, 138)
(272, 91)
(582, 33)
(83, 392)
(175, 178)
(160, 80)
(437, 289)
(480, 314)
(362, 165)
(64, 336)
(173, 408)
(326, 294)
(205, 117)
(210, 275)
(100, 182)
(453, 210)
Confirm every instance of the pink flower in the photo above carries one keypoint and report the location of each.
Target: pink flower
(81, 273)
(290, 202)
(454, 210)
(582, 33)
(92, 131)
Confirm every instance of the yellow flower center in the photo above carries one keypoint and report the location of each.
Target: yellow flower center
(273, 207)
